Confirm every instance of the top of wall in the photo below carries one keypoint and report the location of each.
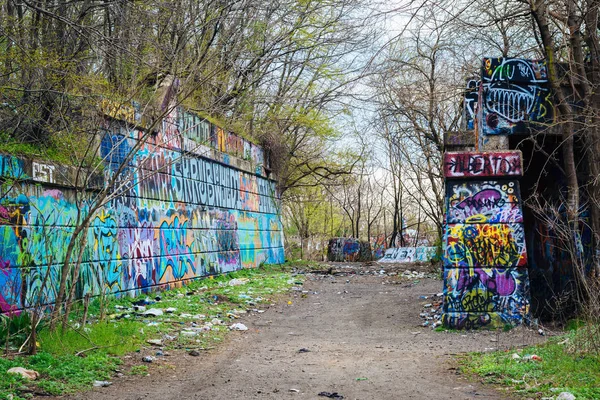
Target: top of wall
(194, 134)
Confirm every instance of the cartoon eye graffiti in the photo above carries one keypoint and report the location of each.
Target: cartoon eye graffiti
(511, 184)
(510, 191)
(504, 187)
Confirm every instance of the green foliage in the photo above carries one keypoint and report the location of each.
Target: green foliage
(15, 329)
(61, 147)
(559, 370)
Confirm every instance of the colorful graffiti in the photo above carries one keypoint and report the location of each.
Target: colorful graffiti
(482, 165)
(480, 290)
(483, 202)
(515, 96)
(486, 281)
(378, 246)
(409, 254)
(471, 101)
(349, 250)
(180, 216)
(469, 245)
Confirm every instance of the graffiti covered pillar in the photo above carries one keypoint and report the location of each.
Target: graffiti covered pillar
(485, 261)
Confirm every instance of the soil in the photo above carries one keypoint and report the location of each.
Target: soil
(364, 339)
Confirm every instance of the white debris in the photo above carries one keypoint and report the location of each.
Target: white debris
(238, 327)
(153, 312)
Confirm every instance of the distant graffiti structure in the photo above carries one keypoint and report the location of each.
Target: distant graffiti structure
(409, 254)
(199, 202)
(349, 250)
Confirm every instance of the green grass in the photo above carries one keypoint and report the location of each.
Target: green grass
(102, 343)
(560, 369)
(138, 370)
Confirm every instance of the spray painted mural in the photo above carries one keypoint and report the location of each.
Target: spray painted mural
(349, 250)
(378, 246)
(178, 216)
(409, 254)
(483, 202)
(515, 96)
(485, 258)
(481, 245)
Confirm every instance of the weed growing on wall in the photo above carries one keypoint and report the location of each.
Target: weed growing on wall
(71, 360)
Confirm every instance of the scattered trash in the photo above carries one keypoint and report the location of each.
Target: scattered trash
(144, 302)
(102, 383)
(362, 379)
(565, 396)
(432, 311)
(304, 350)
(541, 332)
(189, 333)
(155, 342)
(184, 315)
(532, 357)
(159, 353)
(334, 395)
(148, 359)
(153, 312)
(238, 327)
(289, 303)
(139, 308)
(294, 391)
(170, 310)
(194, 353)
(25, 373)
(238, 281)
(216, 321)
(515, 356)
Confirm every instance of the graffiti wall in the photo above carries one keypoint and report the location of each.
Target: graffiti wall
(409, 254)
(349, 250)
(515, 96)
(178, 215)
(484, 256)
(378, 246)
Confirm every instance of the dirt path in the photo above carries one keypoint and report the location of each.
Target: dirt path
(355, 327)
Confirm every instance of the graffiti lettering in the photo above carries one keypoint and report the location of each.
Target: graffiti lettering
(465, 165)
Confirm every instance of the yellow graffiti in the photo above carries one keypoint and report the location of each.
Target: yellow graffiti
(118, 110)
